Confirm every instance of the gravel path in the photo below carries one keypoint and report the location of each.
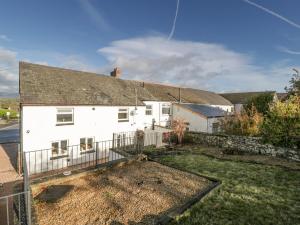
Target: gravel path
(132, 193)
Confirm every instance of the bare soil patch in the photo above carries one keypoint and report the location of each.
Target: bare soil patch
(130, 193)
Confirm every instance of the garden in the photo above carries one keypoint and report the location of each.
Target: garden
(134, 192)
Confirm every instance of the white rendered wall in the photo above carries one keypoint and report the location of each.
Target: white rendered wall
(196, 122)
(161, 119)
(39, 127)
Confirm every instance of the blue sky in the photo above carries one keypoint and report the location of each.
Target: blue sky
(222, 46)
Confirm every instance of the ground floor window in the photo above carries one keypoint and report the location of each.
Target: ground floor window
(86, 144)
(60, 148)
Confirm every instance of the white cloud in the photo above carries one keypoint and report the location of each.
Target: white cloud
(8, 71)
(193, 64)
(4, 37)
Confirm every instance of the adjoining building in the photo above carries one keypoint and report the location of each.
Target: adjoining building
(239, 99)
(200, 118)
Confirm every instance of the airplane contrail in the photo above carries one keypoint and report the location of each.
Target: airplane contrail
(174, 22)
(274, 14)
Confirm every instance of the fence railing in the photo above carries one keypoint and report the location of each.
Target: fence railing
(13, 210)
(46, 162)
(74, 157)
(27, 197)
(151, 137)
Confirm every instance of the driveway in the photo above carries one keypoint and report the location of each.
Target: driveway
(10, 134)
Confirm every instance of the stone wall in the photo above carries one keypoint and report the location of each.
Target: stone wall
(243, 144)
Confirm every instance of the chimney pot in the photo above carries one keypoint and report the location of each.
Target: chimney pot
(116, 72)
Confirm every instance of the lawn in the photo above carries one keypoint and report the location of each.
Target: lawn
(250, 193)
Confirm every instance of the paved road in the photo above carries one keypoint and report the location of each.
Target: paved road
(10, 134)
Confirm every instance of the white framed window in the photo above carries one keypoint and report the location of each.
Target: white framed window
(123, 115)
(148, 110)
(59, 148)
(165, 109)
(86, 144)
(65, 116)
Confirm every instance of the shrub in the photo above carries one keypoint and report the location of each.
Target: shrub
(246, 123)
(187, 138)
(282, 124)
(13, 114)
(179, 128)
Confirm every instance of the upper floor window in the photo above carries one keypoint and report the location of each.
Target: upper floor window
(65, 116)
(148, 110)
(123, 115)
(165, 109)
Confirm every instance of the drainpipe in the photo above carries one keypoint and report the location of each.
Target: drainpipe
(159, 108)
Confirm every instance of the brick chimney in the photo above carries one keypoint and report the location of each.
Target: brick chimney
(116, 72)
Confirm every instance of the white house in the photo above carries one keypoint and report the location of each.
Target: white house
(62, 108)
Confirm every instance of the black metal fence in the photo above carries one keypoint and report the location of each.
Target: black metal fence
(47, 162)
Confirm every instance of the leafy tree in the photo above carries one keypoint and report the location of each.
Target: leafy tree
(246, 123)
(294, 88)
(260, 102)
(281, 125)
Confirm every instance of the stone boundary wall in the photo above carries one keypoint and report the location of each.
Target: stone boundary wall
(243, 144)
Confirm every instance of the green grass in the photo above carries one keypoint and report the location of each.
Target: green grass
(249, 193)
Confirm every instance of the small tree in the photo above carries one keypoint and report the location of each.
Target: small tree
(282, 124)
(179, 128)
(261, 102)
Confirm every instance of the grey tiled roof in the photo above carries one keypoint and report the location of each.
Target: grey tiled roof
(205, 110)
(47, 85)
(243, 97)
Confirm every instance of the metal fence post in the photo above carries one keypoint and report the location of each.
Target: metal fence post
(97, 149)
(29, 208)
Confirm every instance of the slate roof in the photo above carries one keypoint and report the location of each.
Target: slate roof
(45, 85)
(205, 110)
(243, 97)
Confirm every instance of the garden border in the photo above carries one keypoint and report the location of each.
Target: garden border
(177, 211)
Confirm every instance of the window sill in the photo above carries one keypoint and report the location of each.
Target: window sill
(59, 157)
(87, 151)
(121, 121)
(63, 124)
